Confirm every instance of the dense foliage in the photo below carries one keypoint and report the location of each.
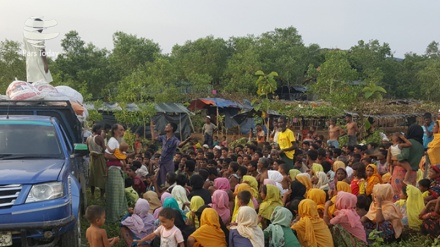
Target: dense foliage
(136, 70)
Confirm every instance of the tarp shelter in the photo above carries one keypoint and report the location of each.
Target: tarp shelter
(246, 118)
(165, 113)
(216, 106)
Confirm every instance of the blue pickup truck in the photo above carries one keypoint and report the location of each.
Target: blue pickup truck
(42, 175)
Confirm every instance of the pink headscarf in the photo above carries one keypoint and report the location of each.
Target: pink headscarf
(346, 215)
(164, 196)
(220, 202)
(269, 181)
(140, 223)
(222, 184)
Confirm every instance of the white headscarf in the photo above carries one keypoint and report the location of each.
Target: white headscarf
(179, 193)
(247, 226)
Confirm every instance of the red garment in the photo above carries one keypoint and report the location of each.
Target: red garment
(354, 187)
(139, 185)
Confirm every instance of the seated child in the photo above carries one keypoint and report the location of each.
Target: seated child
(96, 236)
(401, 205)
(362, 205)
(169, 234)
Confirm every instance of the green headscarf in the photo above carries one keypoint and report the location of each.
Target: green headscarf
(281, 216)
(170, 202)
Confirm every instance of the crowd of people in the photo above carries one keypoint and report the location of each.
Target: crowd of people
(276, 192)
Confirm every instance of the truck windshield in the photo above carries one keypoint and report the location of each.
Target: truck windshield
(29, 141)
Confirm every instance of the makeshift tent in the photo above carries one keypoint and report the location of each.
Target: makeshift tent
(165, 113)
(215, 106)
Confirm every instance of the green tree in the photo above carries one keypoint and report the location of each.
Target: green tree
(429, 78)
(12, 64)
(335, 80)
(266, 86)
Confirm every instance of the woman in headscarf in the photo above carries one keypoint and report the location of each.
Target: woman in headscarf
(310, 229)
(340, 175)
(220, 203)
(434, 145)
(373, 178)
(298, 190)
(330, 207)
(414, 206)
(222, 184)
(271, 196)
(278, 232)
(153, 200)
(196, 203)
(318, 196)
(179, 193)
(411, 155)
(197, 182)
(170, 202)
(139, 224)
(209, 234)
(321, 181)
(252, 203)
(247, 233)
(383, 214)
(304, 178)
(164, 196)
(347, 227)
(253, 183)
(278, 178)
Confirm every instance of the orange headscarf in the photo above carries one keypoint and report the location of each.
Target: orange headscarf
(373, 179)
(434, 148)
(389, 210)
(318, 196)
(304, 179)
(311, 230)
(209, 233)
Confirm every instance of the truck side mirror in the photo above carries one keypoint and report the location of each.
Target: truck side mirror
(80, 149)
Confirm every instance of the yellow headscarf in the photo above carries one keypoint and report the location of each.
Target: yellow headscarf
(311, 230)
(414, 205)
(338, 164)
(305, 180)
(318, 196)
(340, 186)
(389, 210)
(272, 200)
(253, 183)
(153, 200)
(386, 178)
(434, 148)
(195, 204)
(293, 173)
(238, 189)
(210, 233)
(373, 179)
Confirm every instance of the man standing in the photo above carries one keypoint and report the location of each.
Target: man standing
(286, 142)
(428, 125)
(334, 132)
(169, 145)
(352, 130)
(208, 130)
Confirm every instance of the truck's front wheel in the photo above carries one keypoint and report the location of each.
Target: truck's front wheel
(72, 238)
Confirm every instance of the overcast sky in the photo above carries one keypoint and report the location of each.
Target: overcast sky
(407, 25)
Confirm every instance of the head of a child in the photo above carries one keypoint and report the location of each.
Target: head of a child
(128, 182)
(171, 178)
(131, 172)
(424, 185)
(95, 215)
(403, 195)
(396, 138)
(244, 197)
(263, 192)
(362, 205)
(148, 179)
(181, 180)
(123, 147)
(359, 170)
(283, 169)
(233, 167)
(166, 218)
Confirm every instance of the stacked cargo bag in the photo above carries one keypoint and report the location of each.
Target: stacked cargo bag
(50, 93)
(21, 90)
(76, 100)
